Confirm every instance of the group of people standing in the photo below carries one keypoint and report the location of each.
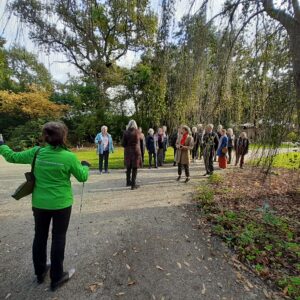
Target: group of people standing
(187, 144)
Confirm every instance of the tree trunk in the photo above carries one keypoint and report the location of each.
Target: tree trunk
(294, 34)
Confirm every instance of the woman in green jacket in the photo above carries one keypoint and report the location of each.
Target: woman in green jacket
(52, 198)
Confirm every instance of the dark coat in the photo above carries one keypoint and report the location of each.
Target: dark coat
(210, 142)
(132, 153)
(242, 146)
(151, 144)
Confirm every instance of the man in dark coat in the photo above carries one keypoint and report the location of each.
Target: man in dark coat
(132, 153)
(210, 143)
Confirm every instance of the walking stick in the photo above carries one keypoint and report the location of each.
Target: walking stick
(80, 209)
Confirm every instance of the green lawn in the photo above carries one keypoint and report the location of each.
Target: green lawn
(116, 159)
(289, 160)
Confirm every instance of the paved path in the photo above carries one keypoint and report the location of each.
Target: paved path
(143, 244)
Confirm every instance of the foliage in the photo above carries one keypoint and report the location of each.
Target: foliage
(263, 234)
(26, 71)
(92, 35)
(293, 137)
(289, 160)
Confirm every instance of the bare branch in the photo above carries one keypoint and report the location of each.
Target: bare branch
(278, 14)
(296, 8)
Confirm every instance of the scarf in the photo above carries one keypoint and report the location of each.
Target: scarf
(183, 139)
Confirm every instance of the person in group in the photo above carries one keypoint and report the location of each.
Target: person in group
(151, 145)
(52, 198)
(196, 144)
(166, 142)
(219, 134)
(184, 145)
(200, 132)
(161, 147)
(210, 143)
(241, 148)
(231, 139)
(133, 157)
(173, 140)
(223, 149)
(105, 146)
(142, 144)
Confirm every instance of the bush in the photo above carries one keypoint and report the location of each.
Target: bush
(292, 137)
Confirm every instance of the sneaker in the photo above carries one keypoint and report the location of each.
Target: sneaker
(205, 174)
(66, 277)
(178, 178)
(41, 278)
(187, 180)
(174, 164)
(106, 172)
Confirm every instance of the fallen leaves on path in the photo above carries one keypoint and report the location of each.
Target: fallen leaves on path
(94, 286)
(159, 268)
(120, 294)
(203, 289)
(179, 265)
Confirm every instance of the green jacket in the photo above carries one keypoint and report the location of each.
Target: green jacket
(53, 169)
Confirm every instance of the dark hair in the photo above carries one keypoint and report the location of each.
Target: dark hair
(55, 133)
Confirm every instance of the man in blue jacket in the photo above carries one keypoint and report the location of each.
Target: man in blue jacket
(105, 146)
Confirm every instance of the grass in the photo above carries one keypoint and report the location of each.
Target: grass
(116, 159)
(289, 160)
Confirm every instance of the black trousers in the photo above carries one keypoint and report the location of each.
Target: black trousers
(103, 157)
(186, 169)
(229, 154)
(131, 174)
(60, 222)
(152, 154)
(208, 161)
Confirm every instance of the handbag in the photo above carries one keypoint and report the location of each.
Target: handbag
(224, 150)
(26, 188)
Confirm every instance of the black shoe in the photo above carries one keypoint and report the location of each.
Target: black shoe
(205, 174)
(134, 187)
(187, 180)
(41, 278)
(211, 173)
(66, 277)
(178, 178)
(174, 164)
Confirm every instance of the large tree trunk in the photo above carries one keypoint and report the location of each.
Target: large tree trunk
(292, 25)
(294, 34)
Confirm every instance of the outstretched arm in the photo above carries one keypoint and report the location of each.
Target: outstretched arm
(24, 157)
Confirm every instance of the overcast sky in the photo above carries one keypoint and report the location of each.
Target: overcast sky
(15, 33)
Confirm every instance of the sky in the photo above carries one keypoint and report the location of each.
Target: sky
(16, 33)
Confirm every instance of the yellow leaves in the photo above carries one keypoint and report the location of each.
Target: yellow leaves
(33, 104)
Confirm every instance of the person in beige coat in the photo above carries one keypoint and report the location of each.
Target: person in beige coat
(184, 144)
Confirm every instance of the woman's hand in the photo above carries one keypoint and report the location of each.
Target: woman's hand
(85, 163)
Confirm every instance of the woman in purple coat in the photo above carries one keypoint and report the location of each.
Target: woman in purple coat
(132, 153)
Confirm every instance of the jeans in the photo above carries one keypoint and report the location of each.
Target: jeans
(186, 169)
(152, 154)
(104, 157)
(60, 222)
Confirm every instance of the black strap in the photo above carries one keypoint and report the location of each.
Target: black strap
(34, 159)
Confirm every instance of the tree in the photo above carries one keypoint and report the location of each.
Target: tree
(91, 34)
(27, 71)
(288, 16)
